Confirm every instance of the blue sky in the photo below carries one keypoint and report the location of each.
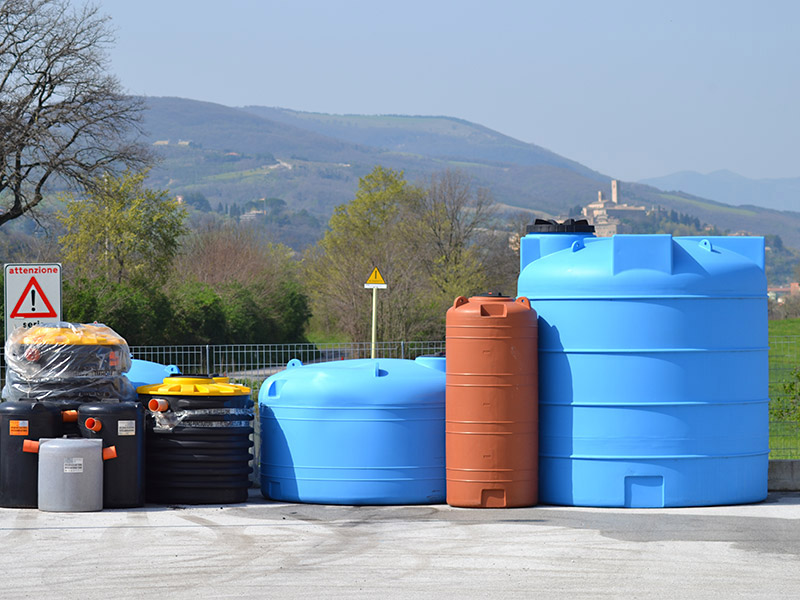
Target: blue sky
(633, 89)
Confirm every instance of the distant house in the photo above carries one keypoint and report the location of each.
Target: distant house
(779, 292)
(161, 143)
(252, 215)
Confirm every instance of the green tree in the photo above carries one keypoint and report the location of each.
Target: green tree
(141, 313)
(371, 231)
(198, 315)
(431, 244)
(122, 231)
(198, 200)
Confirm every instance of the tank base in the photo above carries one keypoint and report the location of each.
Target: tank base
(664, 483)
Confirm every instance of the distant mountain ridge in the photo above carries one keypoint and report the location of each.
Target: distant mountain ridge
(313, 162)
(442, 137)
(732, 188)
(223, 128)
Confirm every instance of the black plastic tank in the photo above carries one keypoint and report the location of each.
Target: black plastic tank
(122, 426)
(101, 388)
(198, 441)
(21, 421)
(69, 416)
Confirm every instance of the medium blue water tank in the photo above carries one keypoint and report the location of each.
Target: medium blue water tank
(653, 369)
(145, 372)
(354, 432)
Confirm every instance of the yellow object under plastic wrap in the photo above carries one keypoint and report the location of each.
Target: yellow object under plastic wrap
(56, 361)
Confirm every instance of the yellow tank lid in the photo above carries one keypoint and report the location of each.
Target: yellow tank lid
(194, 386)
(69, 334)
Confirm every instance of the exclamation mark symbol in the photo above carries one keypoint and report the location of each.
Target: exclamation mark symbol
(33, 300)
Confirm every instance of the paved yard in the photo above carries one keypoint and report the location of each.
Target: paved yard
(263, 549)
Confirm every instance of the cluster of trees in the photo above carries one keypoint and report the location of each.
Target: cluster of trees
(787, 307)
(129, 260)
(670, 221)
(297, 229)
(783, 263)
(430, 243)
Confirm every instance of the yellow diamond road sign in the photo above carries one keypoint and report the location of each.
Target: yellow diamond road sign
(376, 280)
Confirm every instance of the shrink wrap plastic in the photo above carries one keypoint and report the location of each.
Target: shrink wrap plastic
(67, 361)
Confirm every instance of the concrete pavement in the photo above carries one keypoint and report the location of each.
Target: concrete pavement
(264, 549)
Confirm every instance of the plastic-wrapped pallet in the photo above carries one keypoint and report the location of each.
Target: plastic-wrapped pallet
(68, 362)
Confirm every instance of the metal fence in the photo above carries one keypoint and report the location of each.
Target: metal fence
(253, 363)
(784, 393)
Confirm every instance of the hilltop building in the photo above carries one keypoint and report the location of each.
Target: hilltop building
(606, 214)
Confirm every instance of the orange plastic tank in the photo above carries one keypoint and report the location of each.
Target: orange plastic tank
(491, 403)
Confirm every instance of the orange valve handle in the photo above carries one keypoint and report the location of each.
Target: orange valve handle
(31, 446)
(109, 453)
(69, 416)
(158, 405)
(93, 424)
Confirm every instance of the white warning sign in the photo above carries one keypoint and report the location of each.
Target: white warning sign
(32, 295)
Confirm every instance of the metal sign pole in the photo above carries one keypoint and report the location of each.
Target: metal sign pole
(374, 322)
(376, 282)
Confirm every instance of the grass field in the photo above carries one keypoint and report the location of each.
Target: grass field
(784, 327)
(784, 440)
(784, 388)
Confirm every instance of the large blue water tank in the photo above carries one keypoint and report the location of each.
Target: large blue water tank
(653, 369)
(354, 432)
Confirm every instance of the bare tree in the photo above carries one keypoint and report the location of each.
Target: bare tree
(217, 255)
(451, 236)
(454, 214)
(62, 116)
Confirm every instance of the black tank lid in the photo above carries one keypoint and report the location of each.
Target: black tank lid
(553, 226)
(492, 294)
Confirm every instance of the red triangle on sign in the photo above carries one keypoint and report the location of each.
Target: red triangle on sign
(32, 314)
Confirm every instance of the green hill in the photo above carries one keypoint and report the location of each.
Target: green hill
(313, 162)
(232, 156)
(441, 137)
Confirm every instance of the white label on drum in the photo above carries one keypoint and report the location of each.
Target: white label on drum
(73, 465)
(126, 428)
